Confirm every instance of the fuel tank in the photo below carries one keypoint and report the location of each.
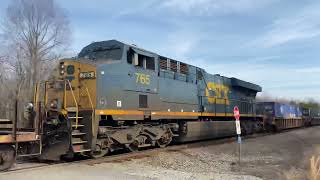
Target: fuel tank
(201, 130)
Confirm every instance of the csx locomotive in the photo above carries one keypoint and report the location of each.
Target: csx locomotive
(119, 96)
(115, 95)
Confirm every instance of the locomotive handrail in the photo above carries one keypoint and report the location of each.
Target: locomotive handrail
(36, 95)
(74, 99)
(65, 95)
(90, 102)
(45, 93)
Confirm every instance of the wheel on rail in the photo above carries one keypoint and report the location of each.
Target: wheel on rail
(7, 157)
(99, 152)
(165, 139)
(134, 146)
(139, 142)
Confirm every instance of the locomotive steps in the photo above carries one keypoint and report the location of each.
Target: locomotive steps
(79, 138)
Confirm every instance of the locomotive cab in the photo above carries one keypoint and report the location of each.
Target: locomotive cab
(68, 108)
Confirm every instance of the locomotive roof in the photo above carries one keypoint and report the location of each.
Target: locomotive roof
(115, 43)
(245, 84)
(108, 43)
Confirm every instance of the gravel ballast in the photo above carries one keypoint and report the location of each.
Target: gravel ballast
(278, 156)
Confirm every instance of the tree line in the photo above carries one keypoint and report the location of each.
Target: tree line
(34, 34)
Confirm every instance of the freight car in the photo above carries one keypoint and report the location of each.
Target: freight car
(115, 95)
(311, 116)
(17, 143)
(279, 116)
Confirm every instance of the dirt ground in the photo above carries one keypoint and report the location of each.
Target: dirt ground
(279, 156)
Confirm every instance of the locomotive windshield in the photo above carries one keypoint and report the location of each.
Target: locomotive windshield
(108, 50)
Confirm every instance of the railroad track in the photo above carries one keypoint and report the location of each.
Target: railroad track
(139, 154)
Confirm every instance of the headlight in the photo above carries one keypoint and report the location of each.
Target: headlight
(29, 107)
(62, 67)
(54, 104)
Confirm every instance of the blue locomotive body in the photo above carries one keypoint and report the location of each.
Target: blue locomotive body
(132, 79)
(137, 85)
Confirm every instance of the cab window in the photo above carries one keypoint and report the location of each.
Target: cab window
(150, 63)
(70, 69)
(140, 60)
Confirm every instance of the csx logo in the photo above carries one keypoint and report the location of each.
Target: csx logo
(220, 93)
(142, 78)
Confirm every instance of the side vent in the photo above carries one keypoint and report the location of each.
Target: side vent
(173, 65)
(163, 63)
(184, 68)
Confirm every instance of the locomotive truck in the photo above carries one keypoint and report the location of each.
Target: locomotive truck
(115, 95)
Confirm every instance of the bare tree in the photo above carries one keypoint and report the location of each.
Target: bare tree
(34, 34)
(12, 79)
(40, 28)
(5, 102)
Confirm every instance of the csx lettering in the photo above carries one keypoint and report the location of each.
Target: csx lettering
(142, 78)
(220, 93)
